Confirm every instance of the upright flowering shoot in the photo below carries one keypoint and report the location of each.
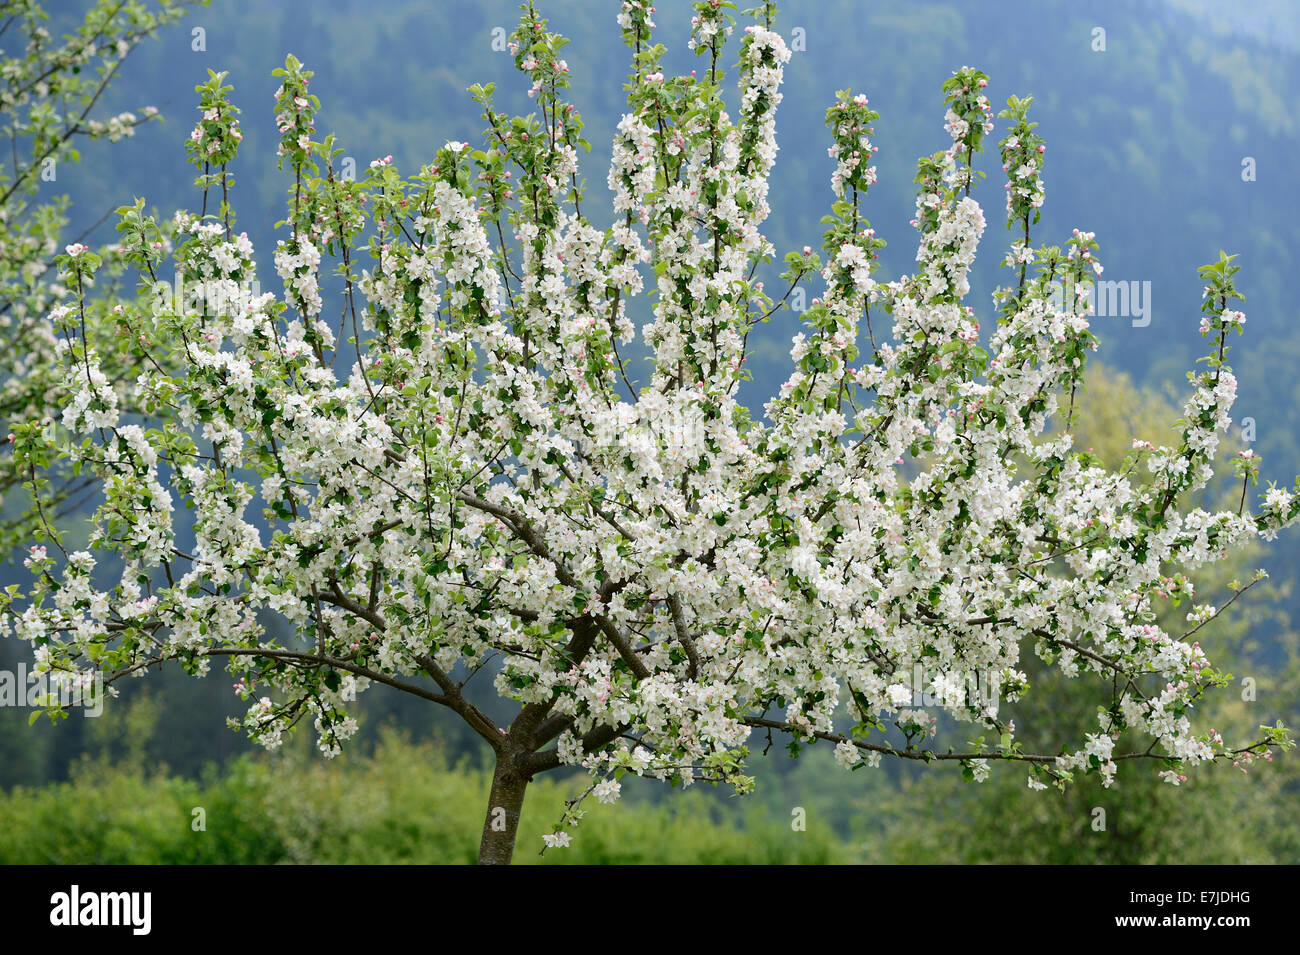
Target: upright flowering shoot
(465, 488)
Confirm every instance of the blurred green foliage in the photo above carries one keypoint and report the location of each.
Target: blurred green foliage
(402, 804)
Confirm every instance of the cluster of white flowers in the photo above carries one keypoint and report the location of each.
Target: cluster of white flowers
(214, 134)
(851, 152)
(94, 402)
(1022, 161)
(116, 128)
(297, 262)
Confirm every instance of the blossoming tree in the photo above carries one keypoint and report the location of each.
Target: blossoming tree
(463, 490)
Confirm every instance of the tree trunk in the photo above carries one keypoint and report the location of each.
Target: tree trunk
(502, 822)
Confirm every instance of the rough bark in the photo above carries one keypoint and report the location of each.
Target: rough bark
(501, 824)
